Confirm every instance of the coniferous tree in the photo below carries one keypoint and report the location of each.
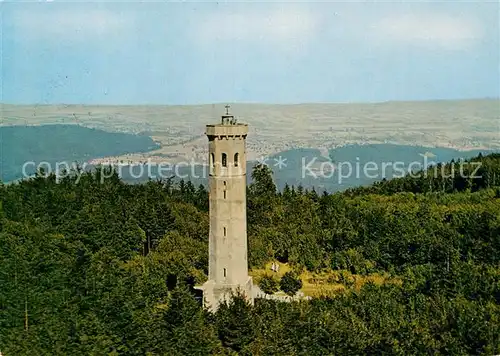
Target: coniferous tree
(235, 324)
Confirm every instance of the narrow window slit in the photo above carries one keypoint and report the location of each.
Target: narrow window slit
(236, 158)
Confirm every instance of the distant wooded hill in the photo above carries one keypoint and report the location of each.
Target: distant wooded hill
(58, 143)
(309, 169)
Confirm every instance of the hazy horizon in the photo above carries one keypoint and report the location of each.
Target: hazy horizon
(258, 103)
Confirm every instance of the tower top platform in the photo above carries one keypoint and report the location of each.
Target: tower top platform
(227, 127)
(227, 130)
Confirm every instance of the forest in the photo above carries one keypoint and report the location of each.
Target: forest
(96, 266)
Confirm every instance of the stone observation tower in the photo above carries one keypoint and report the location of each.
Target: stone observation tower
(228, 264)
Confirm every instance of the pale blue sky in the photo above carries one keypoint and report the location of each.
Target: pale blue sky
(288, 52)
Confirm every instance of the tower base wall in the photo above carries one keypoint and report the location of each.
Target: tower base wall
(215, 294)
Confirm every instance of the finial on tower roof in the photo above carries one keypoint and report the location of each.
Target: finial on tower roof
(228, 118)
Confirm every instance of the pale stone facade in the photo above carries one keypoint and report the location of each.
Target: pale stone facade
(228, 263)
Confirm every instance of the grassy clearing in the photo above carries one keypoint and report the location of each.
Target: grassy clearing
(325, 282)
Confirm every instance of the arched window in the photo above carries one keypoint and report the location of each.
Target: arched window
(224, 231)
(212, 160)
(236, 158)
(224, 273)
(224, 160)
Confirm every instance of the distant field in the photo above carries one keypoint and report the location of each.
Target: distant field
(327, 134)
(325, 283)
(460, 124)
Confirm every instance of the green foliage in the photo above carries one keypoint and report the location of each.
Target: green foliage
(235, 324)
(186, 329)
(262, 184)
(269, 284)
(87, 268)
(290, 283)
(481, 172)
